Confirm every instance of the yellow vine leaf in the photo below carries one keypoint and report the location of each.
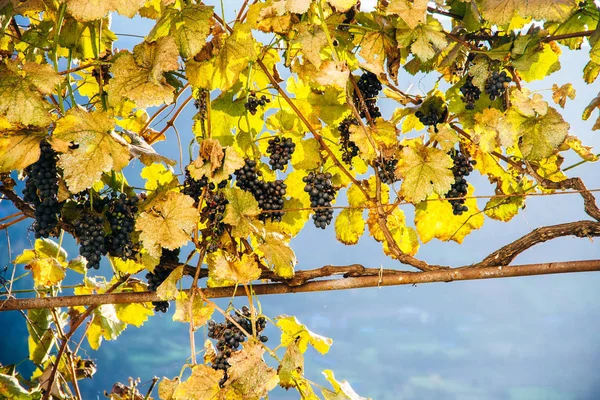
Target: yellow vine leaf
(279, 254)
(584, 152)
(542, 135)
(88, 10)
(270, 17)
(133, 313)
(349, 226)
(550, 168)
(105, 325)
(424, 41)
(292, 366)
(168, 223)
(413, 13)
(249, 375)
(435, 219)
(22, 91)
(223, 70)
(293, 219)
(46, 271)
(297, 6)
(527, 105)
(168, 289)
(501, 12)
(240, 212)
(190, 27)
(293, 331)
(200, 311)
(504, 208)
(139, 76)
(98, 151)
(311, 40)
(537, 63)
(227, 269)
(126, 266)
(560, 94)
(307, 154)
(41, 338)
(157, 175)
(219, 172)
(167, 387)
(405, 237)
(203, 384)
(424, 170)
(342, 390)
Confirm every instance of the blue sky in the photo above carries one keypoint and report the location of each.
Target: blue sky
(516, 339)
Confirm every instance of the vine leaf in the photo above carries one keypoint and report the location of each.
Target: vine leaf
(404, 236)
(47, 262)
(412, 13)
(133, 313)
(22, 89)
(424, 41)
(223, 70)
(293, 331)
(584, 152)
(157, 175)
(167, 222)
(10, 388)
(587, 111)
(139, 76)
(203, 384)
(560, 94)
(342, 5)
(249, 375)
(342, 390)
(349, 226)
(88, 10)
(503, 12)
(200, 311)
(311, 40)
(225, 270)
(292, 366)
(504, 208)
(190, 27)
(434, 219)
(97, 152)
(168, 289)
(19, 148)
(240, 212)
(542, 135)
(167, 387)
(424, 169)
(105, 324)
(220, 170)
(41, 338)
(279, 254)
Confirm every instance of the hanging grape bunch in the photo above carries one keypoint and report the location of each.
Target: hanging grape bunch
(386, 168)
(430, 115)
(229, 337)
(269, 195)
(120, 214)
(462, 167)
(253, 102)
(214, 212)
(280, 151)
(89, 230)
(322, 193)
(496, 84)
(160, 273)
(349, 148)
(369, 87)
(470, 93)
(41, 191)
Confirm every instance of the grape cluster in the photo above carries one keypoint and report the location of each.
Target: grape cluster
(322, 193)
(253, 102)
(430, 115)
(156, 278)
(200, 104)
(349, 148)
(470, 93)
(193, 187)
(386, 168)
(269, 195)
(41, 190)
(496, 84)
(229, 337)
(280, 152)
(462, 167)
(214, 212)
(369, 87)
(89, 230)
(120, 213)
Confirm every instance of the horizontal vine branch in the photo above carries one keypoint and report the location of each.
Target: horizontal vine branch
(401, 278)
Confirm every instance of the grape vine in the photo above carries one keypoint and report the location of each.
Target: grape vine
(322, 193)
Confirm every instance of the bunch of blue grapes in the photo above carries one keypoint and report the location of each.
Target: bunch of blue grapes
(254, 102)
(120, 214)
(386, 169)
(369, 87)
(496, 84)
(269, 194)
(280, 152)
(160, 273)
(349, 148)
(229, 337)
(462, 167)
(322, 193)
(41, 191)
(470, 93)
